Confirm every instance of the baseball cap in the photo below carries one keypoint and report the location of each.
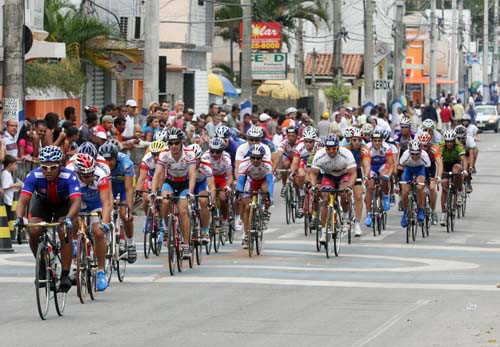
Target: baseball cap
(325, 115)
(107, 118)
(102, 135)
(264, 117)
(290, 110)
(131, 103)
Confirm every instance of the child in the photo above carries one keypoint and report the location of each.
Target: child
(8, 185)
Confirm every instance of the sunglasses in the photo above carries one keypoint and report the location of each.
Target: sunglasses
(49, 167)
(174, 143)
(253, 140)
(87, 175)
(255, 158)
(376, 140)
(355, 140)
(216, 151)
(309, 141)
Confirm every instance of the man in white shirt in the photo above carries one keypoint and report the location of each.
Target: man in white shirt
(10, 137)
(129, 125)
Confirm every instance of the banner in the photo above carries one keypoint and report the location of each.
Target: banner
(265, 35)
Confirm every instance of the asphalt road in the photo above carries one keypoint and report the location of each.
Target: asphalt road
(438, 291)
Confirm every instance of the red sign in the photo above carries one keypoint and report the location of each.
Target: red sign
(265, 35)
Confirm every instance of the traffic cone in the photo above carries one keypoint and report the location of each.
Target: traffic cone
(11, 221)
(5, 242)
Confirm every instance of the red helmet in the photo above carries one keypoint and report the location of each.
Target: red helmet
(84, 163)
(424, 138)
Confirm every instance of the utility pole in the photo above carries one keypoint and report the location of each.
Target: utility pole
(151, 52)
(432, 77)
(314, 87)
(461, 84)
(494, 75)
(246, 52)
(453, 62)
(399, 38)
(13, 66)
(368, 51)
(486, 95)
(337, 39)
(299, 69)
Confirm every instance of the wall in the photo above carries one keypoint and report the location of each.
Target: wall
(39, 108)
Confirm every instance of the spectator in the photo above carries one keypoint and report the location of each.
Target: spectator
(278, 137)
(264, 119)
(179, 109)
(246, 124)
(234, 116)
(446, 117)
(254, 119)
(86, 129)
(472, 113)
(273, 123)
(458, 111)
(130, 118)
(8, 185)
(10, 137)
(69, 114)
(25, 142)
(165, 106)
(119, 124)
(153, 126)
(429, 112)
(51, 119)
(335, 125)
(70, 144)
(214, 109)
(324, 125)
(39, 137)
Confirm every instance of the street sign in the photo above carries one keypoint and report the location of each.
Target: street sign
(382, 84)
(10, 108)
(265, 35)
(269, 66)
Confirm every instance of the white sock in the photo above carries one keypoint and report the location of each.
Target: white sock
(130, 241)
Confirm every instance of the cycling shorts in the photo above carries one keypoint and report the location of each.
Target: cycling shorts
(412, 171)
(40, 208)
(220, 181)
(334, 181)
(359, 179)
(147, 184)
(200, 187)
(431, 172)
(119, 189)
(376, 169)
(177, 188)
(448, 167)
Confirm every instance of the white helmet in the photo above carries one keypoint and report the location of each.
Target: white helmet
(309, 133)
(348, 132)
(197, 150)
(405, 121)
(290, 110)
(414, 146)
(466, 117)
(367, 129)
(255, 132)
(449, 135)
(428, 124)
(357, 133)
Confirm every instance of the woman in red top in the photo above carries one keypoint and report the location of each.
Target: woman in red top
(25, 141)
(446, 117)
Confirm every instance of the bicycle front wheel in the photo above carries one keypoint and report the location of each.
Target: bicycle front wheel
(329, 242)
(251, 234)
(337, 235)
(108, 267)
(171, 246)
(92, 273)
(81, 269)
(55, 275)
(259, 232)
(42, 281)
(318, 235)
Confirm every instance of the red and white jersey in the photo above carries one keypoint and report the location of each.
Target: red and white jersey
(379, 156)
(287, 148)
(242, 152)
(337, 166)
(407, 160)
(302, 152)
(255, 172)
(100, 162)
(177, 170)
(204, 171)
(219, 166)
(90, 192)
(148, 163)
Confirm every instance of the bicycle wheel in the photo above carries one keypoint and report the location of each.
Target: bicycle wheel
(121, 266)
(384, 220)
(337, 234)
(43, 281)
(179, 252)
(380, 215)
(148, 228)
(159, 228)
(198, 250)
(55, 275)
(288, 207)
(329, 243)
(293, 199)
(208, 246)
(252, 219)
(307, 216)
(449, 210)
(374, 215)
(171, 246)
(464, 203)
(259, 232)
(81, 269)
(92, 273)
(230, 231)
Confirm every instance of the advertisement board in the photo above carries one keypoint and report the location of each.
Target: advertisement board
(269, 66)
(265, 35)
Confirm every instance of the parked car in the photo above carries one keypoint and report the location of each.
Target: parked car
(487, 118)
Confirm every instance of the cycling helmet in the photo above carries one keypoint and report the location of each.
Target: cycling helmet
(175, 134)
(255, 132)
(377, 134)
(309, 133)
(88, 148)
(414, 146)
(196, 149)
(292, 130)
(161, 135)
(348, 132)
(356, 132)
(367, 129)
(222, 132)
(108, 151)
(257, 150)
(386, 135)
(331, 140)
(157, 146)
(461, 131)
(424, 138)
(405, 121)
(234, 133)
(449, 135)
(428, 124)
(290, 110)
(50, 153)
(217, 144)
(114, 142)
(467, 117)
(84, 163)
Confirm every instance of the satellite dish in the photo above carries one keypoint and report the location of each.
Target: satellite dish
(28, 39)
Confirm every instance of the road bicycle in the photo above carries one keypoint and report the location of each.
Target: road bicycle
(291, 199)
(197, 243)
(412, 213)
(256, 221)
(153, 228)
(379, 216)
(174, 236)
(116, 253)
(334, 221)
(86, 260)
(452, 208)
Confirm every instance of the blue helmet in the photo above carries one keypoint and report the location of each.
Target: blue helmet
(233, 133)
(50, 153)
(217, 143)
(222, 132)
(88, 148)
(257, 150)
(108, 151)
(331, 140)
(386, 135)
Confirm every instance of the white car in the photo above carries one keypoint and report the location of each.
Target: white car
(487, 118)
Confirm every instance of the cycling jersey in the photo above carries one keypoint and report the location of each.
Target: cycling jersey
(337, 166)
(379, 157)
(452, 156)
(177, 170)
(251, 177)
(303, 153)
(219, 166)
(469, 144)
(287, 148)
(124, 168)
(243, 149)
(359, 154)
(403, 141)
(91, 199)
(203, 172)
(434, 152)
(472, 130)
(148, 163)
(232, 148)
(58, 191)
(407, 160)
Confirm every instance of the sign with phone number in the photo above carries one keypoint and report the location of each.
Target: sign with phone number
(265, 35)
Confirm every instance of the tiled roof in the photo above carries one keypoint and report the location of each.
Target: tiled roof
(352, 64)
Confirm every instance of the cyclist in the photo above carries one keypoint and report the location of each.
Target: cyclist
(454, 160)
(472, 129)
(301, 154)
(96, 197)
(414, 161)
(204, 184)
(122, 177)
(339, 171)
(429, 126)
(361, 154)
(230, 145)
(395, 156)
(90, 149)
(175, 174)
(402, 139)
(434, 172)
(223, 174)
(58, 197)
(470, 151)
(285, 153)
(366, 131)
(348, 133)
(381, 166)
(255, 173)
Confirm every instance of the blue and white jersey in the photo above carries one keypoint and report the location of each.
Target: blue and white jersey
(124, 168)
(90, 192)
(60, 190)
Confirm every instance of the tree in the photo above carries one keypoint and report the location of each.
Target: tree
(338, 93)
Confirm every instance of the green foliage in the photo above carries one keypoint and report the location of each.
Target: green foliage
(338, 93)
(44, 75)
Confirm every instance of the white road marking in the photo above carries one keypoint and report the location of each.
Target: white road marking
(368, 235)
(292, 234)
(457, 238)
(390, 323)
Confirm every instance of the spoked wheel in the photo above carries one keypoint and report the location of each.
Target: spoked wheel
(92, 282)
(43, 281)
(230, 230)
(408, 230)
(216, 241)
(307, 222)
(318, 236)
(171, 251)
(148, 228)
(199, 251)
(81, 269)
(251, 231)
(259, 233)
(288, 208)
(59, 297)
(191, 254)
(413, 229)
(329, 239)
(179, 251)
(464, 204)
(121, 267)
(157, 242)
(337, 235)
(380, 216)
(293, 199)
(384, 220)
(422, 227)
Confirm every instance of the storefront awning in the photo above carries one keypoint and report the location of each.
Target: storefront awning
(425, 80)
